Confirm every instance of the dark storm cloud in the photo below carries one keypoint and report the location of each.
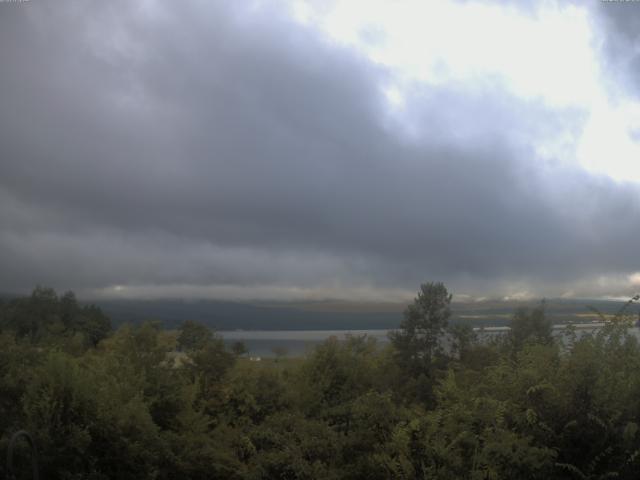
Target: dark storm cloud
(216, 144)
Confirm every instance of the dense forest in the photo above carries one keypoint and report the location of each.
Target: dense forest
(142, 402)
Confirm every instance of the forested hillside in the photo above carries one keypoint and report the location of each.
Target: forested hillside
(141, 402)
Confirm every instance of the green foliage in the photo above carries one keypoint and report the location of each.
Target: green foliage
(43, 317)
(418, 344)
(255, 393)
(530, 326)
(419, 338)
(239, 348)
(336, 373)
(463, 341)
(290, 446)
(193, 336)
(145, 403)
(87, 423)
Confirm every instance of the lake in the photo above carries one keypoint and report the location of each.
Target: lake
(296, 342)
(261, 343)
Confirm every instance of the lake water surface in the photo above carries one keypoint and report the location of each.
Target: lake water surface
(295, 343)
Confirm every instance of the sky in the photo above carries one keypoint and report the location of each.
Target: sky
(308, 150)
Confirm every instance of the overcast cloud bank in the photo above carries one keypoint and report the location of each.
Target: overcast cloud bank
(231, 150)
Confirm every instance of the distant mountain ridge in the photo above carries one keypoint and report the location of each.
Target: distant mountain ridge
(332, 315)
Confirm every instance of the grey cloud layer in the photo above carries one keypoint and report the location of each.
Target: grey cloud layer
(202, 144)
(619, 24)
